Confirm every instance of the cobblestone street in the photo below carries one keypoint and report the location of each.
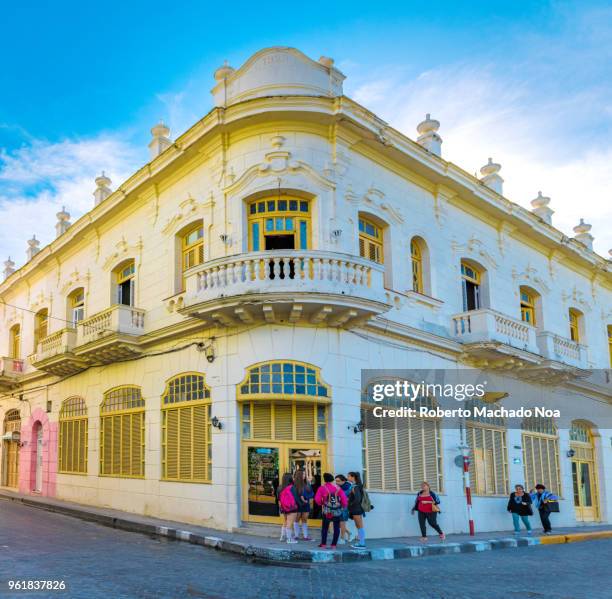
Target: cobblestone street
(97, 562)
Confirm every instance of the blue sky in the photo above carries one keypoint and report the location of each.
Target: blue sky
(528, 83)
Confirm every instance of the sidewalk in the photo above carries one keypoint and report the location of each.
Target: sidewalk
(270, 549)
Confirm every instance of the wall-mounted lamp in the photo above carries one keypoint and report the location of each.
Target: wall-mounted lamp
(358, 428)
(216, 423)
(571, 453)
(210, 353)
(336, 233)
(225, 238)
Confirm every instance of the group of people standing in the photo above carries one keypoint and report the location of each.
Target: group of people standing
(521, 505)
(340, 498)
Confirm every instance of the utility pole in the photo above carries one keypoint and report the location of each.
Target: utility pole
(465, 453)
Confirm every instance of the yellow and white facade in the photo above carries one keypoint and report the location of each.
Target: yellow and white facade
(203, 328)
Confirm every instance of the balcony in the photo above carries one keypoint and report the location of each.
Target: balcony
(110, 335)
(286, 286)
(494, 339)
(560, 349)
(11, 370)
(55, 354)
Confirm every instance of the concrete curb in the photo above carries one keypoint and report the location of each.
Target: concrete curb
(315, 556)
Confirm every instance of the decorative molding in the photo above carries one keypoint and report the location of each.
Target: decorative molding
(576, 298)
(531, 275)
(188, 210)
(41, 300)
(75, 279)
(374, 201)
(474, 248)
(276, 164)
(123, 251)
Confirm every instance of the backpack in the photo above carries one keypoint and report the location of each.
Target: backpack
(287, 500)
(332, 508)
(366, 504)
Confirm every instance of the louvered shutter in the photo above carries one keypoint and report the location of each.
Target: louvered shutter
(200, 448)
(404, 454)
(262, 421)
(137, 457)
(82, 465)
(304, 422)
(185, 441)
(283, 422)
(171, 441)
(362, 251)
(431, 451)
(389, 460)
(375, 458)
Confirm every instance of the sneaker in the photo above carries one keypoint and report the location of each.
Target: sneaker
(307, 539)
(442, 537)
(341, 541)
(292, 541)
(358, 546)
(332, 546)
(423, 539)
(517, 533)
(528, 533)
(321, 546)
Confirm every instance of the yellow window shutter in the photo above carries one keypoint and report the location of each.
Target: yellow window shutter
(389, 460)
(185, 440)
(283, 421)
(362, 251)
(200, 448)
(82, 461)
(137, 457)
(171, 443)
(304, 422)
(262, 421)
(125, 464)
(375, 458)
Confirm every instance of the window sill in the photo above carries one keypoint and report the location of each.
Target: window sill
(421, 298)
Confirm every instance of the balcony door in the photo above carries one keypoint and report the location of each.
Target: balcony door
(281, 223)
(584, 473)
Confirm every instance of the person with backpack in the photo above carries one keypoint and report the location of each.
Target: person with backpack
(332, 500)
(288, 507)
(519, 505)
(546, 503)
(304, 494)
(359, 503)
(345, 485)
(427, 505)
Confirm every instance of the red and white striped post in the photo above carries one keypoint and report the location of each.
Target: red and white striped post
(465, 451)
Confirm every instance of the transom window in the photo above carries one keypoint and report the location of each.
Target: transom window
(580, 432)
(281, 223)
(283, 379)
(470, 285)
(370, 240)
(527, 306)
(122, 398)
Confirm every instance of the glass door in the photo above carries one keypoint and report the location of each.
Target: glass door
(310, 460)
(584, 491)
(263, 477)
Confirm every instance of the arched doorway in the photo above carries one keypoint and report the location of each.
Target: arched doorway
(10, 449)
(37, 456)
(283, 406)
(584, 472)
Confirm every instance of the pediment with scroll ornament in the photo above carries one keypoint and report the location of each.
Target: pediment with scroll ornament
(122, 251)
(530, 276)
(576, 298)
(474, 248)
(188, 210)
(75, 279)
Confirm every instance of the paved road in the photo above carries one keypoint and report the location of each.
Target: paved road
(99, 562)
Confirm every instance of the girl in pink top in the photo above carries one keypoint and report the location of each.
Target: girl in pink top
(332, 500)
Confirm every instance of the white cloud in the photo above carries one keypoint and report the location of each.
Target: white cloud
(485, 112)
(36, 180)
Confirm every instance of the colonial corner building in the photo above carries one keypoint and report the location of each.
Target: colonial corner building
(204, 327)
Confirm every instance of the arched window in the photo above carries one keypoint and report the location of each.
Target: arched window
(192, 247)
(541, 453)
(15, 342)
(76, 306)
(10, 449)
(471, 286)
(41, 326)
(528, 305)
(284, 401)
(417, 266)
(124, 280)
(575, 324)
(122, 433)
(486, 438)
(398, 455)
(370, 240)
(281, 223)
(73, 436)
(186, 429)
